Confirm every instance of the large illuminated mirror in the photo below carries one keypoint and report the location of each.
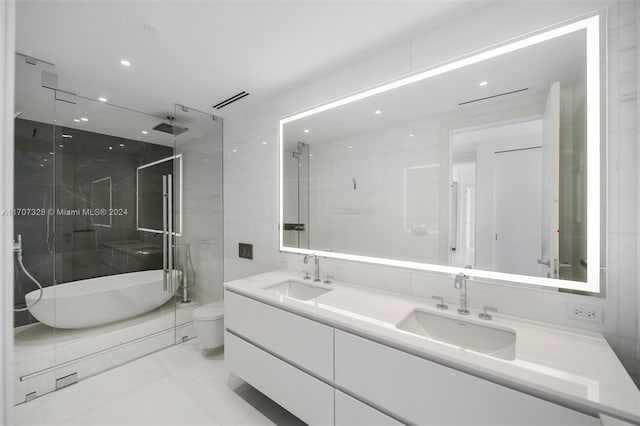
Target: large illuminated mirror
(490, 162)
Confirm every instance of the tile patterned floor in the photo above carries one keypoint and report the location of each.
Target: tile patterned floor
(180, 385)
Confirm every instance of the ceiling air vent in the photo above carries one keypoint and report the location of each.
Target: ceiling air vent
(231, 100)
(494, 96)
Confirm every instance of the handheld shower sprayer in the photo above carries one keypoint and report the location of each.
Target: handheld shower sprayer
(17, 248)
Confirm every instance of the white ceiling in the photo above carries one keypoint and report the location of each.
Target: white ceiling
(198, 53)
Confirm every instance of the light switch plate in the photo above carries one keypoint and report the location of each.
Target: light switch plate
(245, 251)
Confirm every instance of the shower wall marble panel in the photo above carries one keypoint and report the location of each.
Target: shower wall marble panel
(202, 214)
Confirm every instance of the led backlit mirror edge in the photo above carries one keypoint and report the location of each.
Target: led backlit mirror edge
(591, 25)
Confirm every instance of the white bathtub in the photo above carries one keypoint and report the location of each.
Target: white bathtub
(97, 301)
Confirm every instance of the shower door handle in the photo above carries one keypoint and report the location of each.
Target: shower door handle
(164, 233)
(170, 242)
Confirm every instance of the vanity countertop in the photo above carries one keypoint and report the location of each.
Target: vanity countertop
(572, 367)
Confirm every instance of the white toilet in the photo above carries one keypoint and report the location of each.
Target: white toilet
(209, 321)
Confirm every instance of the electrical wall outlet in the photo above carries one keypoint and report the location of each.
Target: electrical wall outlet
(584, 312)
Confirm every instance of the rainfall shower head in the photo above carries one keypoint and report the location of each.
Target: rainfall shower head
(172, 129)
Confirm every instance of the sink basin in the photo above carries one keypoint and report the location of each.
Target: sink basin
(299, 291)
(493, 341)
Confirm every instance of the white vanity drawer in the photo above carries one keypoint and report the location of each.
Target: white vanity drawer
(351, 412)
(304, 342)
(427, 393)
(303, 395)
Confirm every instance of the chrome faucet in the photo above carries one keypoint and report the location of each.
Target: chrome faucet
(316, 276)
(460, 283)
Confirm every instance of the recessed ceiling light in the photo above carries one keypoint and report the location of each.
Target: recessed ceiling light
(84, 119)
(121, 144)
(45, 159)
(350, 147)
(144, 132)
(76, 120)
(234, 150)
(101, 99)
(483, 83)
(377, 112)
(61, 146)
(306, 130)
(66, 136)
(125, 63)
(52, 153)
(110, 148)
(310, 155)
(264, 142)
(410, 135)
(41, 165)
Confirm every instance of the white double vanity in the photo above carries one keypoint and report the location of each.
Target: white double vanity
(486, 166)
(348, 355)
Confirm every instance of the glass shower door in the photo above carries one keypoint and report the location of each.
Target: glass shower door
(109, 299)
(33, 237)
(131, 236)
(114, 263)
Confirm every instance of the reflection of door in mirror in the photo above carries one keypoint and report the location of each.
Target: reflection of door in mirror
(499, 168)
(296, 191)
(551, 186)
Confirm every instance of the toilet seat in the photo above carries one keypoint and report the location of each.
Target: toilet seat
(209, 312)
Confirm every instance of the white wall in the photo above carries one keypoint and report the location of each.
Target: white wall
(397, 188)
(251, 172)
(7, 47)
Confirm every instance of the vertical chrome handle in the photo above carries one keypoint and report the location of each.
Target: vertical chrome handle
(454, 216)
(164, 233)
(170, 242)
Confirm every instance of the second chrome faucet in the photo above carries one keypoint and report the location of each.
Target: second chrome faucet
(460, 283)
(316, 277)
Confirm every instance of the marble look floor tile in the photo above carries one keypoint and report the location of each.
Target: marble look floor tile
(158, 403)
(180, 385)
(57, 407)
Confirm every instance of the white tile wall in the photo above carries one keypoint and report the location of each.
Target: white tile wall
(202, 210)
(251, 172)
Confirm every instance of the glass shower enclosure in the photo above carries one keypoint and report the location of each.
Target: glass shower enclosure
(118, 225)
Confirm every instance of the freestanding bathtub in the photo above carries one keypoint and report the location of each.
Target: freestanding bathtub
(97, 301)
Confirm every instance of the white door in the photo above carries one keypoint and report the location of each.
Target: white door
(550, 248)
(517, 197)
